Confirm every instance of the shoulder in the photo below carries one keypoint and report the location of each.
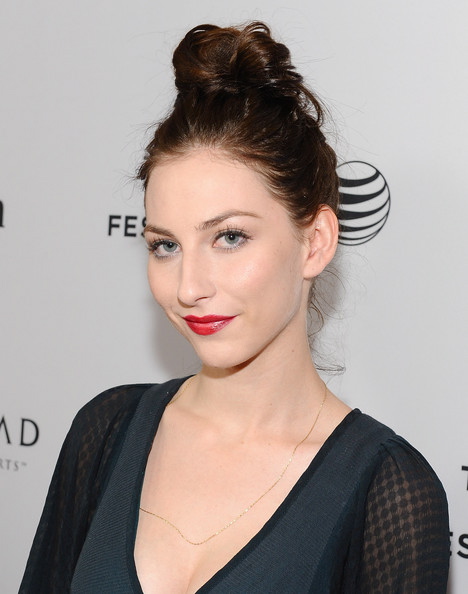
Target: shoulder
(386, 445)
(402, 484)
(97, 435)
(106, 410)
(395, 455)
(111, 403)
(392, 465)
(112, 410)
(97, 432)
(404, 478)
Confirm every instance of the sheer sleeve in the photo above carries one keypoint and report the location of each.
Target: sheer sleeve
(406, 535)
(77, 482)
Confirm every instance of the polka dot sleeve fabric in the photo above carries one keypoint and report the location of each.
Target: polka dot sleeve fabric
(406, 537)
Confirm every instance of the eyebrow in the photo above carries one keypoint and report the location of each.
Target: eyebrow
(209, 224)
(157, 231)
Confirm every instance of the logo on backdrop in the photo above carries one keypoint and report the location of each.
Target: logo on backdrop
(125, 225)
(364, 202)
(22, 433)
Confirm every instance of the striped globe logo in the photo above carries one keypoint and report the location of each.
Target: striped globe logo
(364, 202)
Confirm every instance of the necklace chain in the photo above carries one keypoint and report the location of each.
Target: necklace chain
(249, 507)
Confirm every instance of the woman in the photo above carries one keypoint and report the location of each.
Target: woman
(249, 476)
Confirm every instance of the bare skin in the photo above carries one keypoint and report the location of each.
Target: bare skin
(227, 439)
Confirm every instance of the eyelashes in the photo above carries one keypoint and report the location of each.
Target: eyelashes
(163, 248)
(227, 240)
(231, 238)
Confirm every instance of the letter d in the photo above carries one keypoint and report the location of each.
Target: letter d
(35, 429)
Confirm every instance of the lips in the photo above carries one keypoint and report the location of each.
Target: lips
(207, 324)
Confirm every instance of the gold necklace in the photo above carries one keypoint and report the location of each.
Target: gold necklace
(249, 507)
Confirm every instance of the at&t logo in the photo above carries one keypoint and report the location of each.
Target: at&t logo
(364, 202)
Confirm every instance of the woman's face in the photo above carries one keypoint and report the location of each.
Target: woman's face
(226, 262)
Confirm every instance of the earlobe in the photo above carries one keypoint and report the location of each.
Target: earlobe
(321, 241)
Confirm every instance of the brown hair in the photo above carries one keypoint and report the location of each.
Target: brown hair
(238, 92)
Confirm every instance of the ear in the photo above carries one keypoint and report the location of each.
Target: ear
(321, 240)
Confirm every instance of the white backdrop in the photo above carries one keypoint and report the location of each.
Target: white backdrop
(81, 81)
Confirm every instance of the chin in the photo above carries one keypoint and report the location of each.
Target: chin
(228, 356)
(221, 361)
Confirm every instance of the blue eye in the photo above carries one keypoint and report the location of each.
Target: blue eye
(231, 239)
(169, 246)
(163, 248)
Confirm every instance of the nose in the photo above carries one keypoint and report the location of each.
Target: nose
(195, 279)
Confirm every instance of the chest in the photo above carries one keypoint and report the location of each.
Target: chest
(301, 547)
(205, 504)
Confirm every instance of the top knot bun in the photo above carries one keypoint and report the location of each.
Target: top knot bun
(240, 94)
(214, 59)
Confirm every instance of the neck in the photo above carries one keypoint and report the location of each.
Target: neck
(271, 390)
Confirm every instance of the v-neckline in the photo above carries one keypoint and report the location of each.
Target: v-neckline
(258, 536)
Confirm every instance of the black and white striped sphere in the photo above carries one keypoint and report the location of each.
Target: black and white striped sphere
(364, 202)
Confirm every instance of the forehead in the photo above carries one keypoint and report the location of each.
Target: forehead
(202, 184)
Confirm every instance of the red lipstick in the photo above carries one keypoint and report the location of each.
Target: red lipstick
(207, 324)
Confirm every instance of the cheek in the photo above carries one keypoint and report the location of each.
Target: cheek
(271, 275)
(158, 284)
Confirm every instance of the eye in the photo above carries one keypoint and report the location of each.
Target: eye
(231, 239)
(163, 248)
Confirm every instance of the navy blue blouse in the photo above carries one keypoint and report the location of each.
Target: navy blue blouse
(368, 515)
